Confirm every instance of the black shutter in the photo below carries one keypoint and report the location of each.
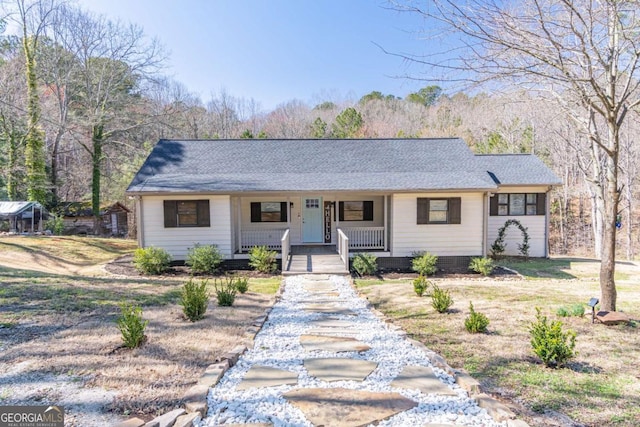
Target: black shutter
(455, 210)
(256, 212)
(493, 205)
(341, 211)
(367, 211)
(283, 211)
(170, 213)
(423, 211)
(541, 208)
(203, 213)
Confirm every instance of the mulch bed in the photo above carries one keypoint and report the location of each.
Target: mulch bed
(123, 266)
(451, 273)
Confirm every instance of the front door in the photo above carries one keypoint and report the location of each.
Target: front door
(312, 220)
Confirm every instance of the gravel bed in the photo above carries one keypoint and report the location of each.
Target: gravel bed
(277, 345)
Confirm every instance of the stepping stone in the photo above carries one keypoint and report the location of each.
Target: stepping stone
(333, 323)
(328, 309)
(339, 369)
(334, 331)
(423, 379)
(342, 407)
(335, 344)
(612, 317)
(266, 376)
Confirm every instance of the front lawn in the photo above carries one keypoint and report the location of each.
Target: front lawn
(600, 386)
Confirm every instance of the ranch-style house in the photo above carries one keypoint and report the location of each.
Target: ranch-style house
(394, 197)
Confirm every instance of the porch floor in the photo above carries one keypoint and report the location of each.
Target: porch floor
(314, 259)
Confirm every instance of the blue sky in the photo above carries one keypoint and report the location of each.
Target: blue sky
(277, 50)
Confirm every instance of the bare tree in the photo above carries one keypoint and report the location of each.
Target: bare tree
(583, 53)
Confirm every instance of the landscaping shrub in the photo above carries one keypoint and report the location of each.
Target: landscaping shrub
(262, 259)
(424, 264)
(151, 260)
(483, 266)
(131, 325)
(576, 310)
(203, 258)
(550, 343)
(242, 284)
(225, 291)
(476, 322)
(365, 264)
(194, 299)
(441, 299)
(55, 224)
(420, 285)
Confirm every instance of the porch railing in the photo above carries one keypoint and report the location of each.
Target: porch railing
(365, 237)
(343, 247)
(286, 248)
(271, 238)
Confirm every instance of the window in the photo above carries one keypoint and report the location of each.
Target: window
(312, 203)
(186, 213)
(356, 211)
(439, 211)
(269, 212)
(517, 204)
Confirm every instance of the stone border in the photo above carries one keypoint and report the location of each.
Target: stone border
(496, 410)
(195, 399)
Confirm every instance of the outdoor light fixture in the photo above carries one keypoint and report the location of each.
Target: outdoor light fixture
(291, 205)
(592, 303)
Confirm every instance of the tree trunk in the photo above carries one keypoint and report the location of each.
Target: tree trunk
(96, 161)
(34, 150)
(608, 255)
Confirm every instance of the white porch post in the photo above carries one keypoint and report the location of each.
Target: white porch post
(385, 224)
(336, 211)
(239, 224)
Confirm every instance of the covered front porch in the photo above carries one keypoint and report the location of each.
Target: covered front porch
(302, 225)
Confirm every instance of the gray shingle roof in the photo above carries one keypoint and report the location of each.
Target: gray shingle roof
(517, 169)
(255, 165)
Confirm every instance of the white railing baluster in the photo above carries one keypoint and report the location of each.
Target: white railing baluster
(286, 247)
(343, 248)
(365, 237)
(271, 238)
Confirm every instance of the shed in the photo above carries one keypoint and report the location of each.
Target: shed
(22, 217)
(78, 218)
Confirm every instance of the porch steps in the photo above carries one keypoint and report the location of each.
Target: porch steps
(315, 263)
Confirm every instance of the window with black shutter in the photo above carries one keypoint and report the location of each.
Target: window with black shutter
(355, 211)
(268, 211)
(439, 210)
(186, 213)
(517, 204)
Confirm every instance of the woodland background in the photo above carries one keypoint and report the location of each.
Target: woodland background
(101, 103)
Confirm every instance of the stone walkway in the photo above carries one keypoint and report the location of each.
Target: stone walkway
(324, 359)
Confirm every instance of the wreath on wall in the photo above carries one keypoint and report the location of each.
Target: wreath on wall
(498, 247)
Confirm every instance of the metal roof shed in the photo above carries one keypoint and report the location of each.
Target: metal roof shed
(23, 216)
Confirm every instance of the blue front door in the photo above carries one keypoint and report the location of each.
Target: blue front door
(312, 220)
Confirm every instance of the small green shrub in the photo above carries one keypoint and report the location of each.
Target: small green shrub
(55, 224)
(476, 322)
(151, 260)
(576, 310)
(225, 291)
(441, 299)
(203, 259)
(424, 264)
(131, 325)
(365, 264)
(420, 285)
(194, 299)
(483, 266)
(242, 284)
(262, 259)
(550, 343)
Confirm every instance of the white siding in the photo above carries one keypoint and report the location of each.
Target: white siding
(535, 225)
(178, 240)
(461, 239)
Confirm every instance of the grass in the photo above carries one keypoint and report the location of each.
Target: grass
(599, 387)
(62, 321)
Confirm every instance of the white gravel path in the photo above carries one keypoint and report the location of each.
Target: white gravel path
(277, 345)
